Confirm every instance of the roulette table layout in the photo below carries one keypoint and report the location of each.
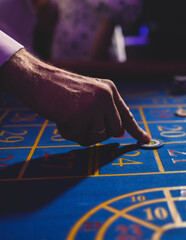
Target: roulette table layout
(54, 189)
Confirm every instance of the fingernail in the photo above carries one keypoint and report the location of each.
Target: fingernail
(146, 138)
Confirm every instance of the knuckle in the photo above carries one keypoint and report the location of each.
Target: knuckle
(110, 84)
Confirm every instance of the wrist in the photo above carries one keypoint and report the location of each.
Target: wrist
(32, 81)
(19, 75)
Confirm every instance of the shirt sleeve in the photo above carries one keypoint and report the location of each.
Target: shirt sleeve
(8, 47)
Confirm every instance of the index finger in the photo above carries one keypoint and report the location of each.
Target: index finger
(128, 120)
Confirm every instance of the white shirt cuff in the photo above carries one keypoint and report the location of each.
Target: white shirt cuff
(8, 47)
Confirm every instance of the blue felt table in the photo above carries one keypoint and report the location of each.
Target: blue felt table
(53, 189)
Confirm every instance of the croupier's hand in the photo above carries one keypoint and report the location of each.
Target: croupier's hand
(86, 110)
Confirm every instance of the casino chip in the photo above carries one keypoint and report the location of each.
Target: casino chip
(153, 144)
(183, 193)
(181, 112)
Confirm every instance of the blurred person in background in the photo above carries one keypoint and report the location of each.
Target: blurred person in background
(85, 27)
(60, 30)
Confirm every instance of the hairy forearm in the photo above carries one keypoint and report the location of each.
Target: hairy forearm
(47, 90)
(28, 79)
(20, 71)
(81, 106)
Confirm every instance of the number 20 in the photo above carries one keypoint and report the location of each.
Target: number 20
(171, 132)
(15, 137)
